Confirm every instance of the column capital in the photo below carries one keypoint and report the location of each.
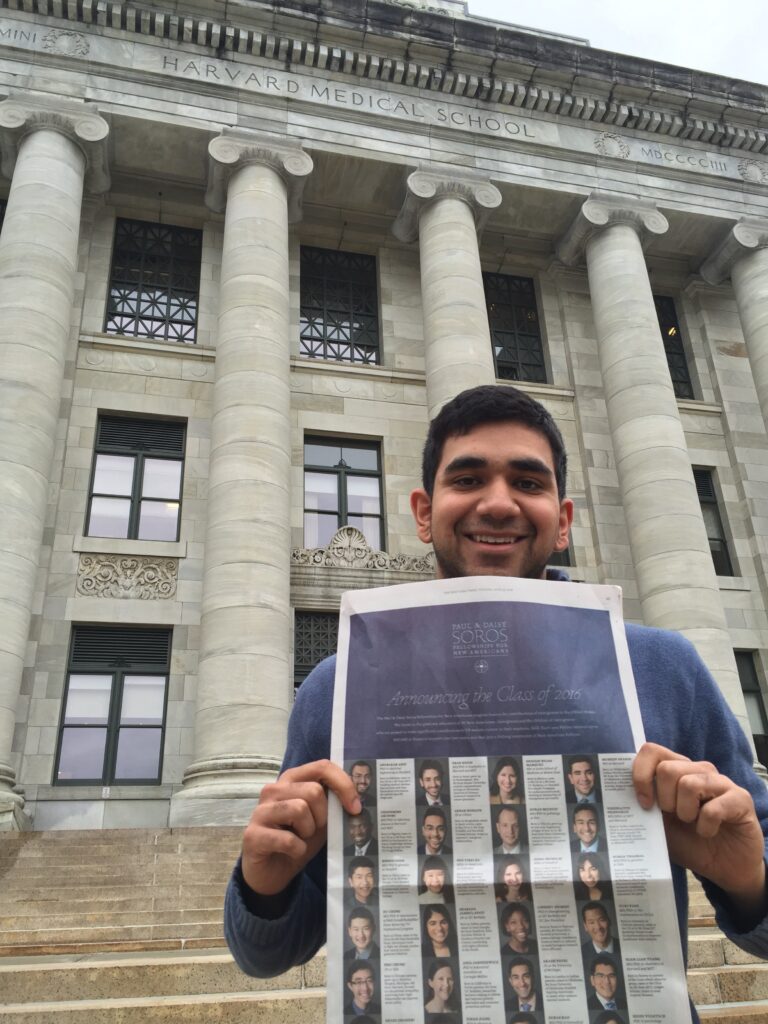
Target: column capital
(77, 120)
(235, 148)
(746, 236)
(423, 187)
(601, 211)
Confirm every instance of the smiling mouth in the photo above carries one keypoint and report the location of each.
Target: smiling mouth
(489, 538)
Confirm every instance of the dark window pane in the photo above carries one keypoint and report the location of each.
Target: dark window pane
(318, 454)
(361, 458)
(339, 306)
(109, 517)
(513, 321)
(713, 523)
(82, 754)
(314, 638)
(138, 754)
(673, 346)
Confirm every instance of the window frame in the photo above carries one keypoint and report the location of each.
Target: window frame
(112, 726)
(672, 341)
(341, 473)
(751, 685)
(535, 306)
(708, 496)
(140, 455)
(301, 666)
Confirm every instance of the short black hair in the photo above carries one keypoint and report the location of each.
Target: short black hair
(490, 403)
(515, 908)
(359, 965)
(360, 912)
(602, 960)
(594, 905)
(581, 759)
(435, 812)
(359, 862)
(430, 764)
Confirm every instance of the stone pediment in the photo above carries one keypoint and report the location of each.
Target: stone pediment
(348, 549)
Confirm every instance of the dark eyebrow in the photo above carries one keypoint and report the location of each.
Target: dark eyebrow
(462, 462)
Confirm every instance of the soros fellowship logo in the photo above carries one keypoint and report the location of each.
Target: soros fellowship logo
(480, 641)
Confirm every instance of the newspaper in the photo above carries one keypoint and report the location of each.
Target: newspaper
(501, 869)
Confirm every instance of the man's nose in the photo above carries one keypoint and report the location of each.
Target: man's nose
(498, 500)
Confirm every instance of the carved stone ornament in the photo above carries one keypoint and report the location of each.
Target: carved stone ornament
(611, 144)
(600, 211)
(425, 186)
(748, 235)
(69, 44)
(78, 120)
(349, 549)
(235, 148)
(139, 577)
(754, 171)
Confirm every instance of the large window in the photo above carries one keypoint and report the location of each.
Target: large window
(673, 346)
(154, 285)
(113, 720)
(718, 545)
(315, 636)
(136, 482)
(513, 319)
(342, 487)
(339, 306)
(753, 698)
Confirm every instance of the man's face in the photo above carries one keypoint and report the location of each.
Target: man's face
(508, 827)
(585, 826)
(361, 883)
(433, 831)
(521, 981)
(361, 986)
(604, 980)
(360, 932)
(494, 509)
(361, 776)
(582, 777)
(597, 927)
(431, 782)
(359, 828)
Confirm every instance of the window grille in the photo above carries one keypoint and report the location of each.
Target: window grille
(718, 545)
(155, 281)
(315, 637)
(513, 319)
(342, 487)
(753, 698)
(339, 306)
(673, 346)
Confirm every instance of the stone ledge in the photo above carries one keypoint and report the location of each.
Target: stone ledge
(117, 546)
(127, 343)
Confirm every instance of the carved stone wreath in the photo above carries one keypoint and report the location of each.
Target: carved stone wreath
(349, 549)
(611, 144)
(120, 576)
(754, 171)
(69, 44)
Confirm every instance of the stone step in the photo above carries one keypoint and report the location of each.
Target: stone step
(82, 948)
(72, 938)
(57, 922)
(64, 979)
(30, 902)
(735, 983)
(306, 1006)
(712, 949)
(734, 1013)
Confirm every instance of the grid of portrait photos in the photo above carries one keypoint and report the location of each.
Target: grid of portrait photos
(513, 891)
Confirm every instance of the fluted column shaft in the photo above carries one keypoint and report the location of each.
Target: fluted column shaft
(448, 213)
(244, 671)
(676, 578)
(38, 262)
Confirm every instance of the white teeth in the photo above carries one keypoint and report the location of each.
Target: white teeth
(493, 540)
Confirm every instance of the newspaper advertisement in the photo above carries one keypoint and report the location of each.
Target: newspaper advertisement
(501, 870)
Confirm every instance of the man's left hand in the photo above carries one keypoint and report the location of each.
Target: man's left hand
(710, 822)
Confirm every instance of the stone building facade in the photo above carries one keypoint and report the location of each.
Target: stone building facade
(246, 252)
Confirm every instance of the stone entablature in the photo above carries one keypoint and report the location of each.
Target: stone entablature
(503, 66)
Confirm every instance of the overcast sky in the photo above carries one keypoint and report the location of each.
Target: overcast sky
(709, 35)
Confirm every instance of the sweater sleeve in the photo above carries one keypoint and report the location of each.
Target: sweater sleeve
(263, 946)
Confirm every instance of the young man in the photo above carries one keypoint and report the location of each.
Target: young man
(360, 833)
(522, 982)
(509, 831)
(582, 781)
(493, 503)
(431, 784)
(434, 829)
(597, 925)
(361, 928)
(604, 979)
(585, 826)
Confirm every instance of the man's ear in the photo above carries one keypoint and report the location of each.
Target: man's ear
(421, 507)
(564, 524)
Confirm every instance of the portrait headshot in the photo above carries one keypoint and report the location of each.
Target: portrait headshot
(362, 775)
(361, 997)
(523, 992)
(604, 979)
(431, 783)
(590, 873)
(361, 841)
(505, 781)
(516, 928)
(361, 929)
(598, 927)
(511, 881)
(434, 833)
(582, 779)
(442, 991)
(361, 882)
(509, 829)
(586, 828)
(435, 881)
(438, 934)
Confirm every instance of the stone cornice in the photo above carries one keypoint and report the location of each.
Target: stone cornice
(600, 211)
(425, 186)
(235, 148)
(79, 121)
(480, 60)
(748, 235)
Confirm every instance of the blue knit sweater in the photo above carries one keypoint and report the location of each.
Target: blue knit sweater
(682, 709)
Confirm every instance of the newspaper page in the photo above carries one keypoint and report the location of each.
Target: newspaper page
(501, 870)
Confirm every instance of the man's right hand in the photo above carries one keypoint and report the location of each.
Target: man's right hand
(289, 824)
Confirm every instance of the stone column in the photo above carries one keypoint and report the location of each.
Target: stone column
(743, 256)
(445, 213)
(46, 151)
(243, 687)
(675, 575)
